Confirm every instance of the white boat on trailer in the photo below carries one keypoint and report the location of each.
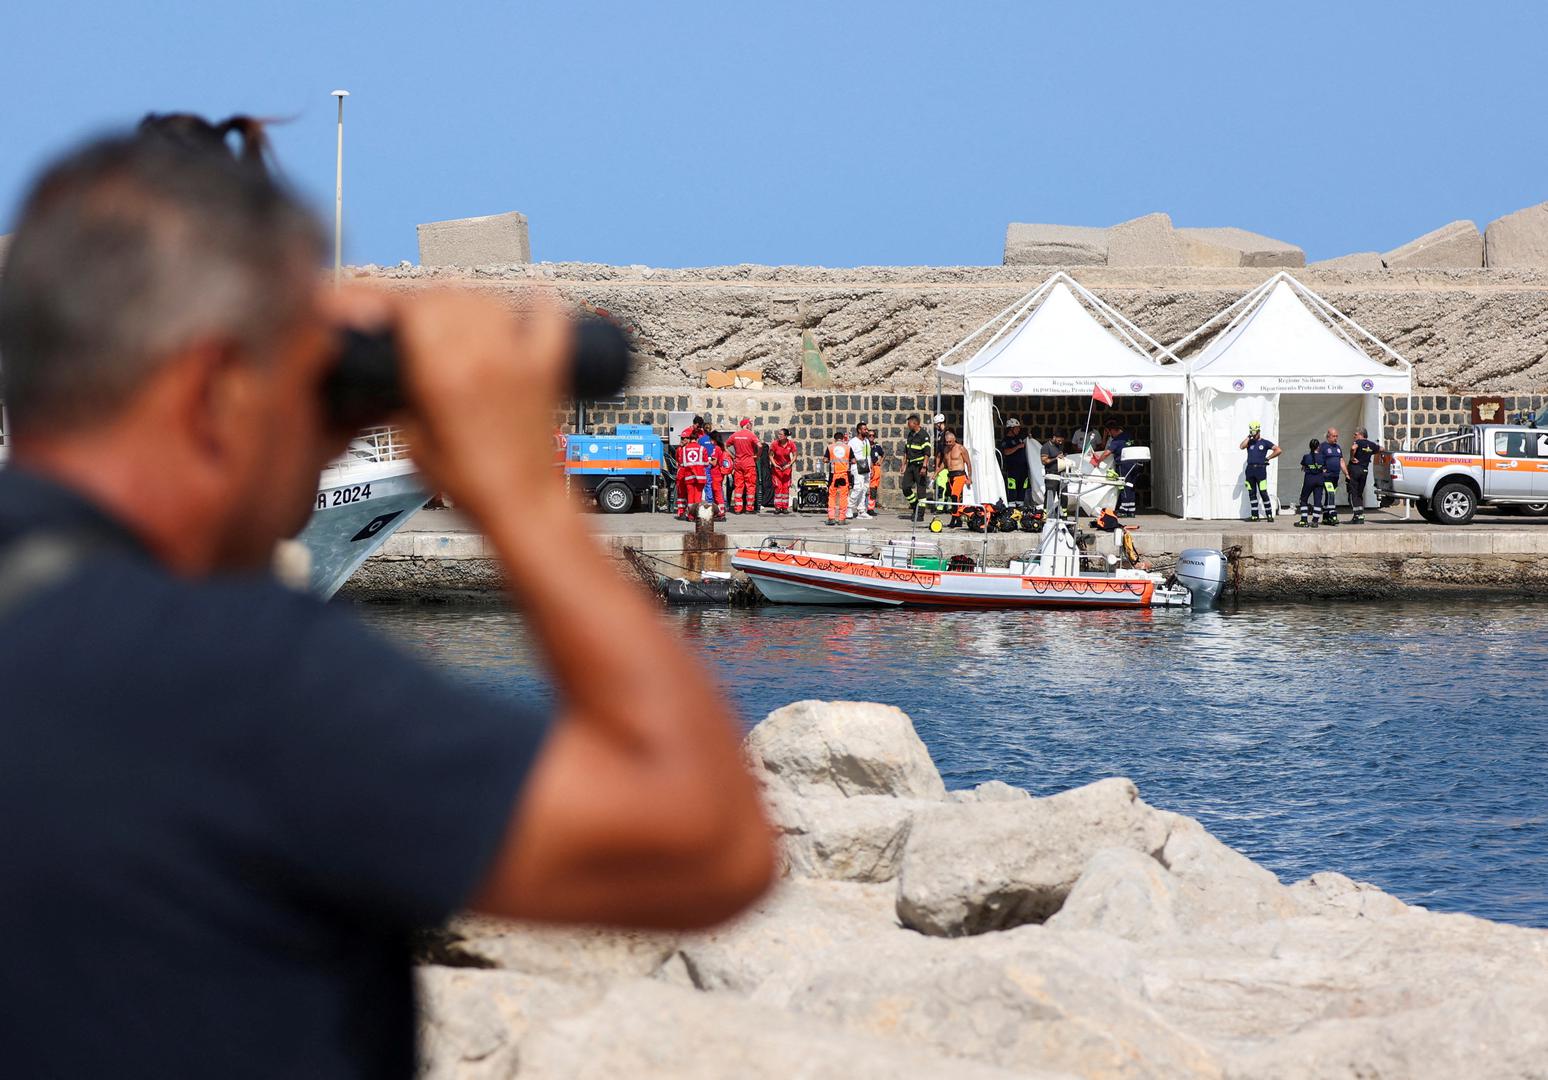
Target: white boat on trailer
(911, 572)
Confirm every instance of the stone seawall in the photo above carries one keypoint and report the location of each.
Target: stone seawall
(882, 328)
(923, 933)
(1394, 559)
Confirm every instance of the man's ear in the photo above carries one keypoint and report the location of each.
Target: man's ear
(212, 388)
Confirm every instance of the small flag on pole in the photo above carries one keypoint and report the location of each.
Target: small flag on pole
(1104, 396)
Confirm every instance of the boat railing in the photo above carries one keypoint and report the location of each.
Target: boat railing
(859, 544)
(384, 443)
(374, 446)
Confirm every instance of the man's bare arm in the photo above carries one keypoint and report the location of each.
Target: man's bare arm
(640, 810)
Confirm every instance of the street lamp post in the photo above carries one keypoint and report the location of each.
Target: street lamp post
(338, 196)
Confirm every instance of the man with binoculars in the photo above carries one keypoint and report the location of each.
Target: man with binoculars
(228, 806)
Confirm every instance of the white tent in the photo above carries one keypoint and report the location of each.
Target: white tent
(1289, 360)
(1049, 342)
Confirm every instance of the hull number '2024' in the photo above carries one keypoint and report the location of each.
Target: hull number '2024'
(343, 496)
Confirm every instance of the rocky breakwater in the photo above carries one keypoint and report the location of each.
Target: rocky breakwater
(987, 933)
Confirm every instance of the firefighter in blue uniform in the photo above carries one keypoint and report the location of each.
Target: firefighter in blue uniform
(1361, 451)
(918, 468)
(1334, 468)
(1311, 487)
(1260, 452)
(1014, 465)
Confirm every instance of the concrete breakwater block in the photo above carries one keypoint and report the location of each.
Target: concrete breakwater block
(1358, 260)
(1145, 241)
(1459, 245)
(1151, 240)
(1082, 934)
(1054, 245)
(1229, 246)
(1519, 239)
(494, 240)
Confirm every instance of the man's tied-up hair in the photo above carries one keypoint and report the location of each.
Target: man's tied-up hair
(137, 245)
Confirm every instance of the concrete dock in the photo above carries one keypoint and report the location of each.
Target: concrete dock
(438, 556)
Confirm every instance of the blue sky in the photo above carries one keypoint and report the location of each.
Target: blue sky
(837, 133)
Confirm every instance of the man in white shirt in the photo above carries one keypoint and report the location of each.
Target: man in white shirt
(860, 469)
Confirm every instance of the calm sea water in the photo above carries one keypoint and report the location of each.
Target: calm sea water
(1404, 744)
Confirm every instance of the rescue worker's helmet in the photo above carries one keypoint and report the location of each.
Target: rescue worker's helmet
(1254, 426)
(939, 419)
(1013, 422)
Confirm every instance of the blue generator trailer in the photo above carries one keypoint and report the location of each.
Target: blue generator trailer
(621, 469)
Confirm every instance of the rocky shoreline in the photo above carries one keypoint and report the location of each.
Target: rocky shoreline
(987, 933)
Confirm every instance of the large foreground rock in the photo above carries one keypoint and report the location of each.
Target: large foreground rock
(644, 1030)
(969, 868)
(820, 748)
(796, 923)
(1519, 239)
(573, 954)
(471, 1022)
(1025, 999)
(1054, 245)
(1161, 953)
(1459, 244)
(857, 839)
(1411, 995)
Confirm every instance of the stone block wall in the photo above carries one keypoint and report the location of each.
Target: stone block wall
(812, 417)
(1436, 414)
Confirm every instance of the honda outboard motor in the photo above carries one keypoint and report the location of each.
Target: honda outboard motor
(1203, 572)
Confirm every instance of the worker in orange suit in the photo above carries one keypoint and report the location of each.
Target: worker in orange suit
(959, 473)
(877, 454)
(837, 458)
(782, 455)
(744, 446)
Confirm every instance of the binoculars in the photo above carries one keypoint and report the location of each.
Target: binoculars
(365, 387)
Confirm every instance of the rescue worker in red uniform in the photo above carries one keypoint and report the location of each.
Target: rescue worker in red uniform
(782, 455)
(744, 446)
(692, 469)
(714, 444)
(837, 457)
(689, 436)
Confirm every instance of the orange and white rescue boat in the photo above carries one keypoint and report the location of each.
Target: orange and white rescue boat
(910, 572)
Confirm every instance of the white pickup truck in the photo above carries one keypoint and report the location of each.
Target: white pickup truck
(1449, 476)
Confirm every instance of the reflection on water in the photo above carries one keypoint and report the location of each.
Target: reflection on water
(1403, 744)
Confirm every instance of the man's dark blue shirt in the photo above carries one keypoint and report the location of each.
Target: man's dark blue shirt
(226, 809)
(1331, 455)
(1361, 451)
(1116, 446)
(1258, 451)
(1013, 457)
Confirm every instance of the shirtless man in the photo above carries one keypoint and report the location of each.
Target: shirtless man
(959, 471)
